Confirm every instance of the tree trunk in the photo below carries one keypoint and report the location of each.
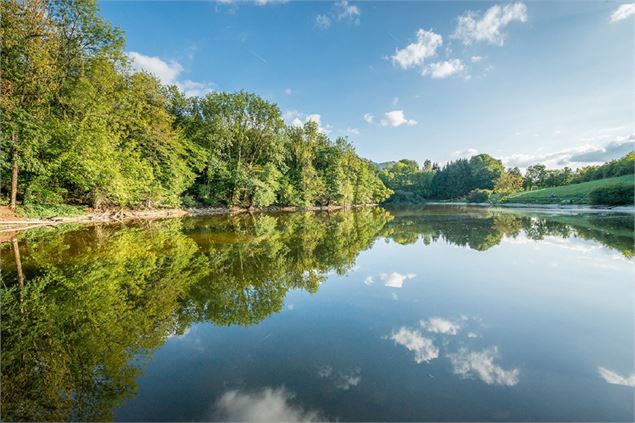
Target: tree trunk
(18, 261)
(14, 173)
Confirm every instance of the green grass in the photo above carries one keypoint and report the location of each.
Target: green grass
(568, 194)
(44, 211)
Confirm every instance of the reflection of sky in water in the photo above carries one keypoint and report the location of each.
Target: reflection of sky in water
(538, 330)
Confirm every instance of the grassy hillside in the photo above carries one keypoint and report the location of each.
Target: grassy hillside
(568, 194)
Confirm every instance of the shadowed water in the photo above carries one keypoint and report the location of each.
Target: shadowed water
(427, 313)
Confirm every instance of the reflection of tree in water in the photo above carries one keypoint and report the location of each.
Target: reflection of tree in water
(481, 229)
(96, 300)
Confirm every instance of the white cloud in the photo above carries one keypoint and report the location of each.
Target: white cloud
(369, 280)
(481, 364)
(396, 118)
(298, 119)
(345, 381)
(344, 10)
(414, 54)
(476, 59)
(322, 21)
(440, 325)
(368, 117)
(613, 378)
(267, 405)
(414, 341)
(341, 11)
(266, 2)
(623, 11)
(468, 152)
(471, 26)
(168, 73)
(576, 156)
(288, 91)
(353, 131)
(444, 69)
(394, 279)
(325, 371)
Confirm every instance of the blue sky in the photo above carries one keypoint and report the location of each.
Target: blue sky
(526, 82)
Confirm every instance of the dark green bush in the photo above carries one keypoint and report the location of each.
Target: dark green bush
(479, 196)
(612, 195)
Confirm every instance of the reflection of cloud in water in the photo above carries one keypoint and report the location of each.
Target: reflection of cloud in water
(346, 381)
(481, 364)
(395, 279)
(613, 378)
(440, 325)
(414, 341)
(342, 380)
(267, 405)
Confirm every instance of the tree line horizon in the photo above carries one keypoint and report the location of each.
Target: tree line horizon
(81, 127)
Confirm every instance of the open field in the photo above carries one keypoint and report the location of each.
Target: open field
(568, 194)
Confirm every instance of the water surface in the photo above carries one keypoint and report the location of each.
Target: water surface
(428, 313)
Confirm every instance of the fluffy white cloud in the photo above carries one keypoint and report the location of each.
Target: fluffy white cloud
(298, 119)
(168, 73)
(468, 152)
(352, 131)
(267, 405)
(368, 117)
(476, 59)
(395, 279)
(481, 364)
(471, 26)
(623, 11)
(440, 325)
(444, 69)
(414, 54)
(613, 378)
(396, 118)
(576, 156)
(414, 341)
(369, 280)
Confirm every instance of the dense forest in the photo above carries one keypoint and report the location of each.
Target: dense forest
(482, 178)
(80, 127)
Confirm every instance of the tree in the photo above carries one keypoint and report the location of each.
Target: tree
(509, 182)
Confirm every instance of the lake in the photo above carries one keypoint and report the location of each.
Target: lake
(423, 313)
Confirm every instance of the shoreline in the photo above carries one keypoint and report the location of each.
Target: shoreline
(10, 227)
(550, 207)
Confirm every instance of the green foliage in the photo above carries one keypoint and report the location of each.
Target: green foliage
(479, 196)
(612, 195)
(82, 128)
(44, 211)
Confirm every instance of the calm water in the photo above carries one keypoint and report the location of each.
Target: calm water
(436, 313)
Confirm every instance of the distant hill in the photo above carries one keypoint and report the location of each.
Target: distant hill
(384, 165)
(568, 194)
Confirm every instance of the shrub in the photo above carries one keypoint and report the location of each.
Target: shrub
(612, 195)
(479, 196)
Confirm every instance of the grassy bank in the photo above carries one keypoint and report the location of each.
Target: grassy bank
(568, 194)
